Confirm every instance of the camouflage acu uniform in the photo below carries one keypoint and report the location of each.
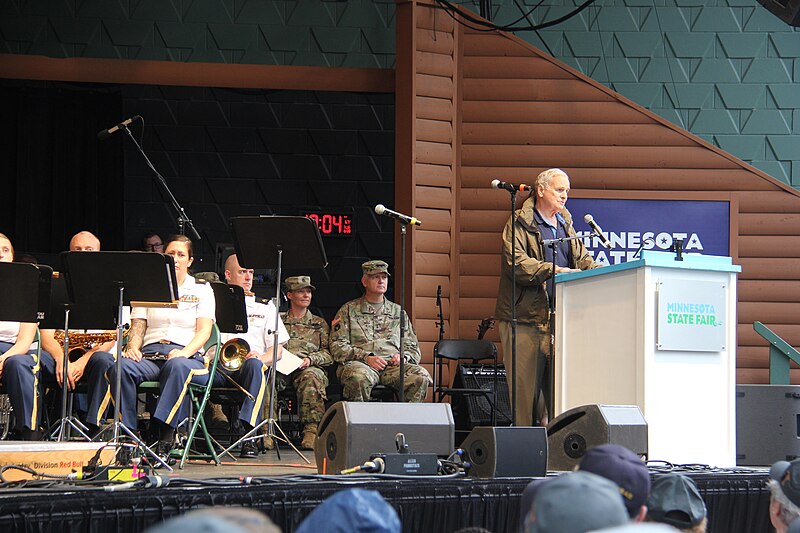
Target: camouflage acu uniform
(309, 338)
(361, 329)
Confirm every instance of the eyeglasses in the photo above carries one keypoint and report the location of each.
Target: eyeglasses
(155, 245)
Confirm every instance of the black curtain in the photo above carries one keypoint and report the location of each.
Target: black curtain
(58, 179)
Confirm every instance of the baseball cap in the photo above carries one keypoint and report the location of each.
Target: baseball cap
(624, 468)
(576, 502)
(375, 266)
(295, 283)
(351, 510)
(788, 477)
(675, 500)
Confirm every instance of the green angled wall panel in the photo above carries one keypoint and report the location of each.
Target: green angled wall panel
(356, 33)
(729, 69)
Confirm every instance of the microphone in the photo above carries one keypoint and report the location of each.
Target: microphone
(510, 187)
(438, 295)
(589, 219)
(105, 134)
(404, 219)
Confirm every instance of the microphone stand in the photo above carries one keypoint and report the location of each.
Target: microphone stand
(403, 231)
(551, 367)
(513, 307)
(183, 220)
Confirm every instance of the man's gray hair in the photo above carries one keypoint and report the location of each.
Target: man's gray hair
(789, 511)
(545, 178)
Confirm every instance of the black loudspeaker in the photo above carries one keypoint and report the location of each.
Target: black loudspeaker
(786, 10)
(350, 432)
(471, 410)
(767, 424)
(575, 431)
(506, 451)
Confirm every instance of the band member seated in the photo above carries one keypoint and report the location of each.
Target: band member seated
(53, 362)
(259, 337)
(164, 345)
(19, 365)
(309, 340)
(366, 341)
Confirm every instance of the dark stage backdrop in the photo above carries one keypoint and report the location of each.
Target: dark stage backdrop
(57, 178)
(223, 153)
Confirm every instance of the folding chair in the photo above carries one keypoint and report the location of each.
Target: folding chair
(462, 350)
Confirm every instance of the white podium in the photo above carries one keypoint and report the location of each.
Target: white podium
(657, 333)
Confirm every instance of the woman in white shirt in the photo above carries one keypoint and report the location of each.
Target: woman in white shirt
(19, 365)
(164, 345)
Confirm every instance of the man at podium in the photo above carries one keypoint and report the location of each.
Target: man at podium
(543, 216)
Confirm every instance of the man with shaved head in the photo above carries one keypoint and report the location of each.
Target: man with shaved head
(261, 315)
(84, 241)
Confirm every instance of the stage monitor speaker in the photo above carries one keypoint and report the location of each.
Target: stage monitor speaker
(471, 410)
(350, 432)
(767, 424)
(506, 451)
(573, 432)
(786, 10)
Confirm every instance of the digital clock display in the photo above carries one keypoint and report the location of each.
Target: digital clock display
(333, 224)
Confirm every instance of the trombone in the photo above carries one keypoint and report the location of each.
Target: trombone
(232, 356)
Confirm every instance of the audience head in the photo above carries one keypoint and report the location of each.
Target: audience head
(675, 500)
(639, 527)
(350, 510)
(218, 520)
(784, 486)
(6, 249)
(152, 242)
(84, 241)
(575, 502)
(625, 468)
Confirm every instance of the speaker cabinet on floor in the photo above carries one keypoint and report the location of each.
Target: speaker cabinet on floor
(573, 432)
(350, 432)
(472, 410)
(507, 451)
(767, 424)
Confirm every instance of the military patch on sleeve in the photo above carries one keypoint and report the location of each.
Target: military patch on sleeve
(336, 327)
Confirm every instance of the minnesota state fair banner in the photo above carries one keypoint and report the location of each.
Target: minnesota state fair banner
(704, 226)
(691, 314)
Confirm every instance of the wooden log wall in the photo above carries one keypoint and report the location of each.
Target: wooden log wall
(489, 105)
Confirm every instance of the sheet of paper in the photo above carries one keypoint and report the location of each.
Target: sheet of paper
(288, 362)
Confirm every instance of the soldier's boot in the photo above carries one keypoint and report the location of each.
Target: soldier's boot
(309, 437)
(215, 416)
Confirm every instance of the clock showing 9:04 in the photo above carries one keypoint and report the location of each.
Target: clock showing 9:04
(332, 224)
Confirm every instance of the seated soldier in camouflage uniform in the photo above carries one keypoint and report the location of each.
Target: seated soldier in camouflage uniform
(366, 340)
(308, 338)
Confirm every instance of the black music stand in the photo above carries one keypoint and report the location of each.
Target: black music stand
(21, 291)
(112, 280)
(62, 313)
(276, 242)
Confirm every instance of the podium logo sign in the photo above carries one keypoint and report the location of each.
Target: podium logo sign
(704, 226)
(691, 316)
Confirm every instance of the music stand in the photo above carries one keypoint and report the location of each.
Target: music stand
(63, 313)
(116, 279)
(231, 317)
(276, 242)
(19, 292)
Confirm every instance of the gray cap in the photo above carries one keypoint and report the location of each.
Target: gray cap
(577, 502)
(675, 500)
